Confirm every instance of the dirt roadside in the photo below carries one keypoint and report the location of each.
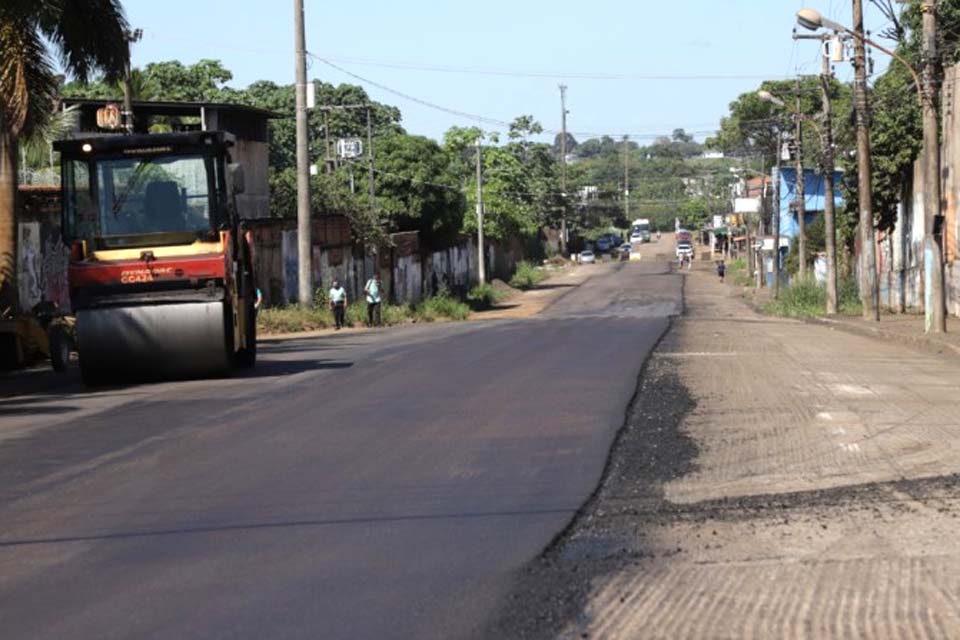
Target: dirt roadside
(773, 479)
(523, 304)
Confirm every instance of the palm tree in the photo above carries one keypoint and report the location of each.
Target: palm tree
(84, 36)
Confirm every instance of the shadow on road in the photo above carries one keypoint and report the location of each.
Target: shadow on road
(271, 368)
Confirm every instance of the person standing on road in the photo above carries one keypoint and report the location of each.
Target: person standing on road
(721, 270)
(372, 289)
(338, 303)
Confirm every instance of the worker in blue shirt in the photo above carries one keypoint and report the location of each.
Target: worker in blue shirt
(372, 289)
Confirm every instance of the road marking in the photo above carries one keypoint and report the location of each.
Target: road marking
(698, 354)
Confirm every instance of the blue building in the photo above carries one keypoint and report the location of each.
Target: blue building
(814, 199)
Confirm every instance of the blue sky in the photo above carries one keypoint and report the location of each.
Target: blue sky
(735, 42)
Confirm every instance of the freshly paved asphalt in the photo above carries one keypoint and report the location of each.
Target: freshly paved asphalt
(376, 484)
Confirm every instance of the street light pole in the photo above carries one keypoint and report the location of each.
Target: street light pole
(304, 242)
(935, 317)
(563, 168)
(776, 218)
(481, 262)
(800, 191)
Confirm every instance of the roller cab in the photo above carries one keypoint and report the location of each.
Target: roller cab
(161, 275)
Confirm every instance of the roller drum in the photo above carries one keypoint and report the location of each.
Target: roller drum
(154, 340)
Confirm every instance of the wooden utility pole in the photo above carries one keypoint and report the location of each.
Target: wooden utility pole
(829, 215)
(481, 262)
(869, 291)
(935, 313)
(626, 178)
(801, 201)
(563, 168)
(776, 218)
(304, 243)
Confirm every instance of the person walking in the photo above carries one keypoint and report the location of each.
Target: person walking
(721, 270)
(338, 303)
(373, 289)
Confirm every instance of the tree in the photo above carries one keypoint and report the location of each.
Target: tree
(415, 189)
(84, 35)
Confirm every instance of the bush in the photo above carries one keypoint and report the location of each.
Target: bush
(527, 276)
(293, 319)
(442, 307)
(803, 299)
(483, 296)
(848, 297)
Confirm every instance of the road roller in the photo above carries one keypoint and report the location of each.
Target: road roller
(160, 273)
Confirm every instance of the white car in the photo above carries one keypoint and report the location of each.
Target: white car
(587, 257)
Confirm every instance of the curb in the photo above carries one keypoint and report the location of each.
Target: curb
(919, 341)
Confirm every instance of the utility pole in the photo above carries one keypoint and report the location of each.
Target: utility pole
(132, 36)
(935, 316)
(829, 216)
(563, 168)
(869, 292)
(626, 178)
(370, 167)
(304, 241)
(482, 262)
(801, 202)
(776, 218)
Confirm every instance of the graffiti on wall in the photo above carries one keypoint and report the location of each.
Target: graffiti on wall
(42, 261)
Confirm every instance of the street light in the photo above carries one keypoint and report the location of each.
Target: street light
(812, 20)
(935, 304)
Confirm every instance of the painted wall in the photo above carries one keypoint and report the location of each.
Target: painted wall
(814, 199)
(42, 257)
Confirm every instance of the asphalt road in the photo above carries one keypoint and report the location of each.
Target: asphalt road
(375, 484)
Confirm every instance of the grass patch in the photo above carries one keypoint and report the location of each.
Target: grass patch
(442, 307)
(483, 296)
(808, 299)
(527, 276)
(737, 271)
(296, 318)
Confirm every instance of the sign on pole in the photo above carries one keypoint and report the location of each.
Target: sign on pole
(108, 117)
(349, 148)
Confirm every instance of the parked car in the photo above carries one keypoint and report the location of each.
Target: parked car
(604, 244)
(587, 257)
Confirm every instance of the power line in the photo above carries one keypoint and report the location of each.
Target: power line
(486, 119)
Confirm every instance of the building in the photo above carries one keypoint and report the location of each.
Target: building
(247, 124)
(813, 198)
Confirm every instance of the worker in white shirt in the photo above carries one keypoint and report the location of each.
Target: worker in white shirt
(338, 303)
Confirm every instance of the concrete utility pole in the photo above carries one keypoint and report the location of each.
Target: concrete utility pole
(481, 262)
(132, 36)
(563, 168)
(304, 241)
(935, 315)
(801, 201)
(829, 216)
(776, 218)
(370, 167)
(869, 292)
(626, 178)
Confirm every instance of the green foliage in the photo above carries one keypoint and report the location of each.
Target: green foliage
(293, 319)
(442, 307)
(802, 299)
(808, 299)
(527, 276)
(483, 297)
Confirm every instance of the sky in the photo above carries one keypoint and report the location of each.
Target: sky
(640, 68)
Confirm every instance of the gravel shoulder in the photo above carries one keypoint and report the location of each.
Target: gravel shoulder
(773, 478)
